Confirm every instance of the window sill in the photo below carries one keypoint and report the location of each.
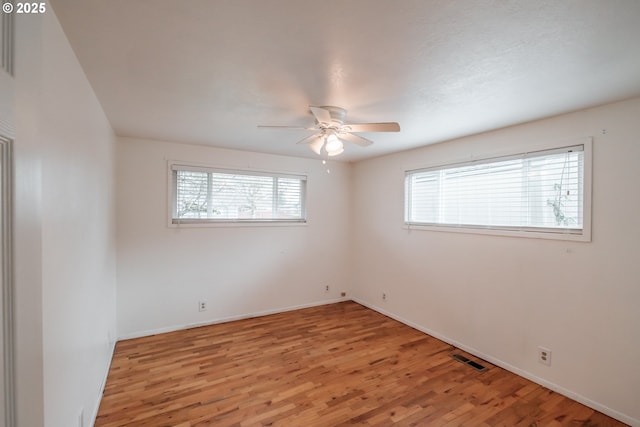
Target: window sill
(233, 223)
(574, 235)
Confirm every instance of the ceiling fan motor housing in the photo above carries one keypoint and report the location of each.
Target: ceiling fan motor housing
(337, 114)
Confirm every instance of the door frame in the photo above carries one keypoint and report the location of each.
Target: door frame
(6, 277)
(7, 134)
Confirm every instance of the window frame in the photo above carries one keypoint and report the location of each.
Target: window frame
(577, 235)
(173, 222)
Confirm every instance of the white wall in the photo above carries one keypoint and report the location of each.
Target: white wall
(65, 243)
(27, 250)
(239, 271)
(502, 297)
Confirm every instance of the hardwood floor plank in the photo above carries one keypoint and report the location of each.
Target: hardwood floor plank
(332, 365)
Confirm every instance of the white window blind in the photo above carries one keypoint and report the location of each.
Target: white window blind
(540, 191)
(209, 195)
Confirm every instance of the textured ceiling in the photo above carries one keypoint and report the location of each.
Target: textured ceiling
(210, 71)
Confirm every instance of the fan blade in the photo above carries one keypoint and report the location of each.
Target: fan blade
(309, 139)
(286, 127)
(374, 127)
(358, 140)
(321, 115)
(316, 146)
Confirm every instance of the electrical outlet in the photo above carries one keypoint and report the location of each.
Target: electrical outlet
(384, 296)
(544, 356)
(326, 288)
(202, 306)
(343, 294)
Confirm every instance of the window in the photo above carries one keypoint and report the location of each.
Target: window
(206, 195)
(539, 192)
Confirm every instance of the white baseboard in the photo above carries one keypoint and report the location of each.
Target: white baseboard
(525, 374)
(227, 319)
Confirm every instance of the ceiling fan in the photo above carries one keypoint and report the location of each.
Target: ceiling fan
(330, 130)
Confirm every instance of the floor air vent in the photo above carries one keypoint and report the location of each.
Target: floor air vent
(467, 361)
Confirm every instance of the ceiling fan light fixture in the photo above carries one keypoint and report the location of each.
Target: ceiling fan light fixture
(333, 145)
(316, 145)
(335, 153)
(329, 123)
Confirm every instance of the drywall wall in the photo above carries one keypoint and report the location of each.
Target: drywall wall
(65, 187)
(502, 297)
(163, 272)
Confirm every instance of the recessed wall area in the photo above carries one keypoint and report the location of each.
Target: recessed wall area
(498, 297)
(239, 271)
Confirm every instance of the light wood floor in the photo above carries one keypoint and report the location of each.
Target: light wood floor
(333, 365)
